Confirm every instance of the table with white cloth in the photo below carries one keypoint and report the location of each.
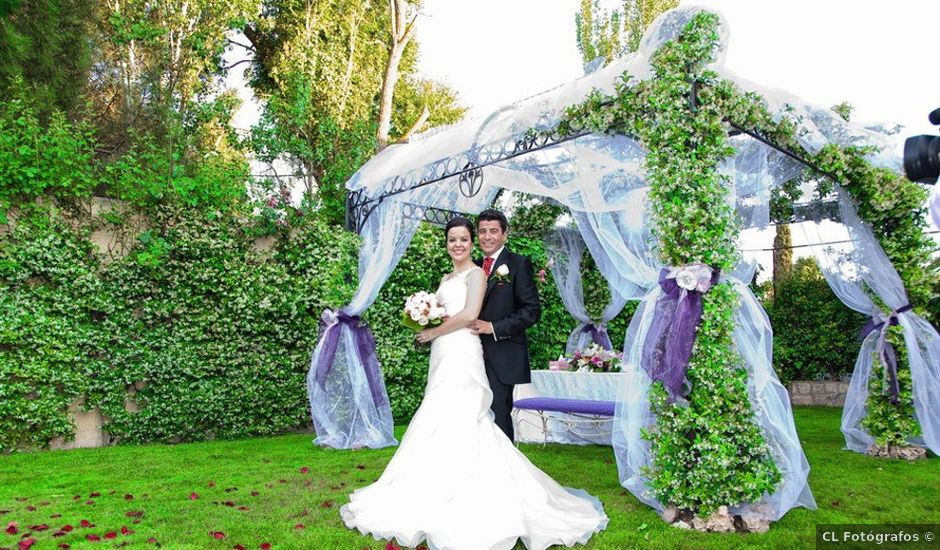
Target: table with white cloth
(598, 386)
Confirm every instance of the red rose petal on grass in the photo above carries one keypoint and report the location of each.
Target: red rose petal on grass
(26, 543)
(229, 503)
(243, 508)
(151, 540)
(134, 514)
(42, 527)
(31, 508)
(89, 502)
(93, 538)
(96, 494)
(326, 504)
(211, 484)
(299, 526)
(360, 467)
(305, 470)
(67, 528)
(193, 496)
(12, 528)
(265, 546)
(85, 523)
(219, 535)
(239, 547)
(54, 516)
(64, 545)
(126, 531)
(128, 496)
(392, 546)
(110, 535)
(255, 493)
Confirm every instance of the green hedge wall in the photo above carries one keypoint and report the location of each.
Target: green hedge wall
(815, 335)
(205, 335)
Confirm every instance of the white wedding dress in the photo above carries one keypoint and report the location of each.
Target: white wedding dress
(457, 481)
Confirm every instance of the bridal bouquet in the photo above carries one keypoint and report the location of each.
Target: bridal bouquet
(422, 310)
(593, 359)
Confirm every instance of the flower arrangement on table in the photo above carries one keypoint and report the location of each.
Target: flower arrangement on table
(593, 359)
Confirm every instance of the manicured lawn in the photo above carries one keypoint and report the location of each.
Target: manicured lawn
(286, 492)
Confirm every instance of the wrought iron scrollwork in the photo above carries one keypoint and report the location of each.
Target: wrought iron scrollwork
(436, 216)
(358, 208)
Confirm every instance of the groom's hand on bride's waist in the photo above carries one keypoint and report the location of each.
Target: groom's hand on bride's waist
(481, 327)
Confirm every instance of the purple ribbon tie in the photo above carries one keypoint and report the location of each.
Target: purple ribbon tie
(671, 336)
(886, 351)
(365, 349)
(598, 335)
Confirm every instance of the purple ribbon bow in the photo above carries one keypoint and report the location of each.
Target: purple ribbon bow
(889, 357)
(365, 349)
(668, 345)
(598, 335)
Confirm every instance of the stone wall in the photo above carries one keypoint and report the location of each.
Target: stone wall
(822, 393)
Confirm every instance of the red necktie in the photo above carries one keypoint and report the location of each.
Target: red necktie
(487, 265)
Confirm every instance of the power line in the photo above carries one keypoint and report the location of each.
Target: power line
(773, 249)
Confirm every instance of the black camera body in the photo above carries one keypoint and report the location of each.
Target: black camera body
(922, 155)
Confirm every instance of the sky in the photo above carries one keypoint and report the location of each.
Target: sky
(880, 56)
(881, 59)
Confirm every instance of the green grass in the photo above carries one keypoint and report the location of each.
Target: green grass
(849, 488)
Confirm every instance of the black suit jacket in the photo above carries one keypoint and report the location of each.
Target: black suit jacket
(512, 307)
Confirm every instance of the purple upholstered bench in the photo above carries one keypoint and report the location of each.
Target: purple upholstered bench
(576, 411)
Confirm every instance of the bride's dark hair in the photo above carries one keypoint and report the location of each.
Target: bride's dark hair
(459, 221)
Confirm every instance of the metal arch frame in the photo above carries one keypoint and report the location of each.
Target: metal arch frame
(468, 167)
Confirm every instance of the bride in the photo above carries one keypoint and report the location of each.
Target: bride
(456, 481)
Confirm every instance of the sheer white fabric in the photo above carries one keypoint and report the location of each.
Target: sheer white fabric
(457, 481)
(565, 249)
(601, 179)
(345, 414)
(854, 267)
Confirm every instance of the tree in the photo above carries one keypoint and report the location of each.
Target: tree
(46, 44)
(783, 255)
(612, 34)
(335, 88)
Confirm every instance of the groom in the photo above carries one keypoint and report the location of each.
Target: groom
(510, 306)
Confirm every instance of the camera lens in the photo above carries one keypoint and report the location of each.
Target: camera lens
(922, 158)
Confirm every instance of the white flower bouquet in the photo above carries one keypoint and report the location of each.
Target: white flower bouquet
(422, 310)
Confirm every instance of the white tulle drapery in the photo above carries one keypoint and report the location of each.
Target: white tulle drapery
(854, 264)
(601, 180)
(349, 405)
(565, 248)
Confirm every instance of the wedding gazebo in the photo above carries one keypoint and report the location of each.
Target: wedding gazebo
(662, 158)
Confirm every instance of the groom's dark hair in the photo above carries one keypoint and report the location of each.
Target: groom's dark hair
(492, 215)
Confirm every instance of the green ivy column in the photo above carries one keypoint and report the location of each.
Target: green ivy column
(711, 452)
